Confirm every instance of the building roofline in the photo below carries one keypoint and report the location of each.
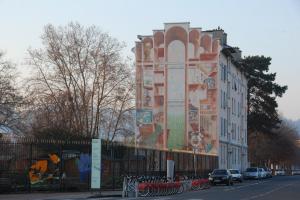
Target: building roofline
(177, 23)
(140, 37)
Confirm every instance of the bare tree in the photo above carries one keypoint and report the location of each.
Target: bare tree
(10, 99)
(280, 147)
(284, 145)
(118, 119)
(79, 77)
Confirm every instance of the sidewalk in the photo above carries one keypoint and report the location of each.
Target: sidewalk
(59, 196)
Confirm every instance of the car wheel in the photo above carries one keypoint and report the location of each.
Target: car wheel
(231, 183)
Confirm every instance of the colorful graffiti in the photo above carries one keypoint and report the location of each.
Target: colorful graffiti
(143, 116)
(45, 170)
(50, 169)
(176, 73)
(84, 166)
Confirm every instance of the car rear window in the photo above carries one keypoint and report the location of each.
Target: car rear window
(219, 172)
(251, 170)
(234, 171)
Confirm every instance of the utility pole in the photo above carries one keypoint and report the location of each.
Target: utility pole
(195, 167)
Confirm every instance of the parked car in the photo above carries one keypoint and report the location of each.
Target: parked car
(252, 173)
(220, 176)
(268, 172)
(279, 172)
(236, 175)
(262, 172)
(296, 172)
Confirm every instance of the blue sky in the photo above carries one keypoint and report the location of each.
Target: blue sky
(258, 27)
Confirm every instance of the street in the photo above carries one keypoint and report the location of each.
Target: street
(277, 188)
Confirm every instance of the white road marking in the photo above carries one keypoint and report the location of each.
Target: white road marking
(243, 186)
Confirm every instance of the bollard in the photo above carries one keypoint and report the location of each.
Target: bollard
(136, 189)
(124, 187)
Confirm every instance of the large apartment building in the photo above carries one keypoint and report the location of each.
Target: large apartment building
(191, 94)
(232, 112)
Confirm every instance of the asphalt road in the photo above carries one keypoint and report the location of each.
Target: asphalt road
(276, 188)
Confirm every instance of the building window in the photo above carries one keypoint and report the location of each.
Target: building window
(233, 128)
(239, 156)
(225, 72)
(235, 156)
(221, 153)
(232, 106)
(235, 107)
(221, 66)
(238, 134)
(221, 126)
(223, 75)
(238, 105)
(225, 133)
(221, 99)
(224, 101)
(234, 102)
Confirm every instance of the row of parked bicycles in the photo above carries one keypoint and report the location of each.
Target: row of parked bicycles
(146, 186)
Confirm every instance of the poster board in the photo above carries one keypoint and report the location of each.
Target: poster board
(96, 164)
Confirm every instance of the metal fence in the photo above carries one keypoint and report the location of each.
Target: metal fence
(32, 164)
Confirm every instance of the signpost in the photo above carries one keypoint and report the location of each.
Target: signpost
(96, 164)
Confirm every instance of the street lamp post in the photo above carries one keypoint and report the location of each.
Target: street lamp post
(195, 142)
(195, 167)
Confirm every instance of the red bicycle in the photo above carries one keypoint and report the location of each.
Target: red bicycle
(200, 184)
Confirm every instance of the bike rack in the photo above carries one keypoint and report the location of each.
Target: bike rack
(131, 188)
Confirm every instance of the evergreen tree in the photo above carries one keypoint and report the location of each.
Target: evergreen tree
(262, 93)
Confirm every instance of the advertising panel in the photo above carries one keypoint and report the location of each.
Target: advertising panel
(96, 164)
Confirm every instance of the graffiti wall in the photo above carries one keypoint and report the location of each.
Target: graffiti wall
(177, 78)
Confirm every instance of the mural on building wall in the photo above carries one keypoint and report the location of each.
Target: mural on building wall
(45, 170)
(175, 92)
(178, 69)
(52, 169)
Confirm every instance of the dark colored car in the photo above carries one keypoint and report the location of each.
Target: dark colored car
(221, 176)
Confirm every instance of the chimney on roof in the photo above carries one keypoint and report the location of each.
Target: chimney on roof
(221, 35)
(238, 54)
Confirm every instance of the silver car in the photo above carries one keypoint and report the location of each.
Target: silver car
(279, 172)
(236, 175)
(252, 173)
(262, 172)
